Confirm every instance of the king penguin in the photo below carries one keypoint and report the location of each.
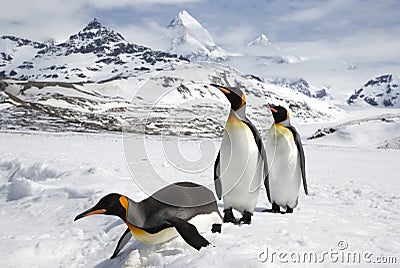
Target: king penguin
(156, 219)
(287, 162)
(241, 162)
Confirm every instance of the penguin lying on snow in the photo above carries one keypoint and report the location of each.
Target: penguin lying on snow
(156, 219)
(287, 162)
(241, 163)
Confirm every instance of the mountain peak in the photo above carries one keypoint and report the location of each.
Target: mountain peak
(94, 53)
(184, 19)
(262, 40)
(96, 30)
(190, 39)
(94, 24)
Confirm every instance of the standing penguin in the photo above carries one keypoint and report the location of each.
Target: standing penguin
(181, 208)
(287, 162)
(241, 163)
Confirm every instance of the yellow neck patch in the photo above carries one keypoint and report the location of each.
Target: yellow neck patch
(282, 130)
(136, 231)
(233, 121)
(152, 239)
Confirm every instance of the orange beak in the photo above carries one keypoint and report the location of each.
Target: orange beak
(224, 90)
(273, 109)
(88, 213)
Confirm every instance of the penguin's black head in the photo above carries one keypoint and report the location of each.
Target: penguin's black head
(235, 96)
(111, 204)
(279, 113)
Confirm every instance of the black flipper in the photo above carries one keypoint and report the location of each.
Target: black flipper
(217, 180)
(189, 233)
(122, 242)
(299, 146)
(263, 154)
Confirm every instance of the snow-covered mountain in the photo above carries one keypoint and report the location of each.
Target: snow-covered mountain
(14, 50)
(174, 101)
(302, 86)
(382, 91)
(190, 39)
(95, 53)
(261, 41)
(87, 83)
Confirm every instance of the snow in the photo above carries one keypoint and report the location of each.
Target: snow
(47, 179)
(190, 39)
(262, 41)
(365, 128)
(382, 91)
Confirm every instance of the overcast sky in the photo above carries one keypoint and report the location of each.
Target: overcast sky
(228, 21)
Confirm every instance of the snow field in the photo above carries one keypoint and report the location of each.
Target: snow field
(46, 180)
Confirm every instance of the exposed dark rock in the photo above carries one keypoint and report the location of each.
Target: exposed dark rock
(381, 91)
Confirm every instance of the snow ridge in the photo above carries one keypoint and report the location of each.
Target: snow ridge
(382, 91)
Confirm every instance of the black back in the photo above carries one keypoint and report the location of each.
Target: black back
(260, 146)
(182, 200)
(299, 146)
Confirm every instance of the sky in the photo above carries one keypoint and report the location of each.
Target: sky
(229, 22)
(352, 31)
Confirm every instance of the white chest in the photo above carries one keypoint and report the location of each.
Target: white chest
(240, 167)
(284, 166)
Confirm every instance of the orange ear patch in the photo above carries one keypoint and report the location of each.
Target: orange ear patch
(124, 202)
(243, 100)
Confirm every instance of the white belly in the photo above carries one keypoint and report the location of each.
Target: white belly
(241, 168)
(202, 222)
(284, 167)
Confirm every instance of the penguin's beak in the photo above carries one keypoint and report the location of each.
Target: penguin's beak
(272, 108)
(89, 212)
(223, 89)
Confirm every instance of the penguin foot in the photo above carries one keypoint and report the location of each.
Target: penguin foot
(216, 228)
(289, 210)
(246, 218)
(229, 217)
(275, 209)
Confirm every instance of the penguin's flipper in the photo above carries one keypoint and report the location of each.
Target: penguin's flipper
(263, 154)
(217, 180)
(189, 233)
(299, 146)
(122, 242)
